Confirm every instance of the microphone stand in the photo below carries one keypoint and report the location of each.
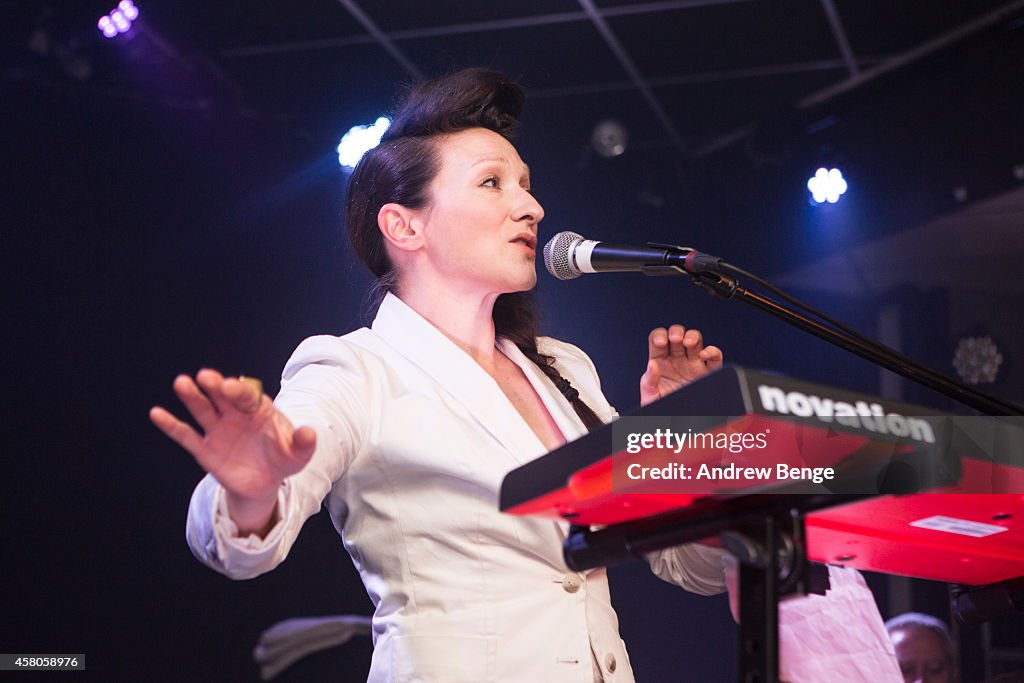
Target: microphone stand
(708, 276)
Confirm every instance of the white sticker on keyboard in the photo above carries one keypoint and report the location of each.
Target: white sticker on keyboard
(964, 527)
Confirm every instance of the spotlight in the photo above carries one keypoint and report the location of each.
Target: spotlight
(359, 140)
(118, 20)
(609, 138)
(128, 8)
(107, 26)
(827, 185)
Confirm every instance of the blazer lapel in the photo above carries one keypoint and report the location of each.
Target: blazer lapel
(425, 346)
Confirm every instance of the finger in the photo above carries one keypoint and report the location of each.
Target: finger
(245, 395)
(657, 343)
(649, 380)
(303, 443)
(212, 382)
(694, 342)
(196, 402)
(713, 357)
(649, 390)
(677, 337)
(179, 432)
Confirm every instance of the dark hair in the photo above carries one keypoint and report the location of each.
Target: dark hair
(400, 169)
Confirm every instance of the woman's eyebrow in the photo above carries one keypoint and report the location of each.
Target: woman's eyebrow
(501, 160)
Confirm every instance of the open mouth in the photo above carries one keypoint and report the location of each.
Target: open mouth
(527, 240)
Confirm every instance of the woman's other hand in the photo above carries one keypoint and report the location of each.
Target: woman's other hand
(676, 357)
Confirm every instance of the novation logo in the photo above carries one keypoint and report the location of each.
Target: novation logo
(861, 414)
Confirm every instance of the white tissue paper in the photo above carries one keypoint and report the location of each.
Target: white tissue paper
(837, 637)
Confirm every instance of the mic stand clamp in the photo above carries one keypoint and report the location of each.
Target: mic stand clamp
(714, 283)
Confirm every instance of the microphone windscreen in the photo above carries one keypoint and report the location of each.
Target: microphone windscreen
(558, 255)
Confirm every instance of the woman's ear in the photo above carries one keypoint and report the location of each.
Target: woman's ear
(401, 226)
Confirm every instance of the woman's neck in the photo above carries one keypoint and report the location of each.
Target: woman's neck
(466, 319)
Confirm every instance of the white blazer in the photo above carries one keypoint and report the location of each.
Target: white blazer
(413, 440)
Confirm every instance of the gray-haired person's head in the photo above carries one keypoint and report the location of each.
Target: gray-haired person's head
(924, 648)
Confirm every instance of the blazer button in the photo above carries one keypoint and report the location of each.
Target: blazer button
(609, 662)
(571, 583)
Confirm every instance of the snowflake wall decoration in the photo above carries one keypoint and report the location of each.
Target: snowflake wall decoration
(977, 360)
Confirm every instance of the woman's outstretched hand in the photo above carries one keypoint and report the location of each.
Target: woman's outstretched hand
(676, 357)
(247, 444)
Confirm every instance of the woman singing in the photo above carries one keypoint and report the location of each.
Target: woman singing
(406, 429)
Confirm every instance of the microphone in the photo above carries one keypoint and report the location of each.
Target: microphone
(568, 255)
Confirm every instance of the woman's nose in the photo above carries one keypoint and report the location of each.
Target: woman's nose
(528, 208)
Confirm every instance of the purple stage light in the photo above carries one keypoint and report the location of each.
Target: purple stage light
(107, 26)
(131, 12)
(119, 20)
